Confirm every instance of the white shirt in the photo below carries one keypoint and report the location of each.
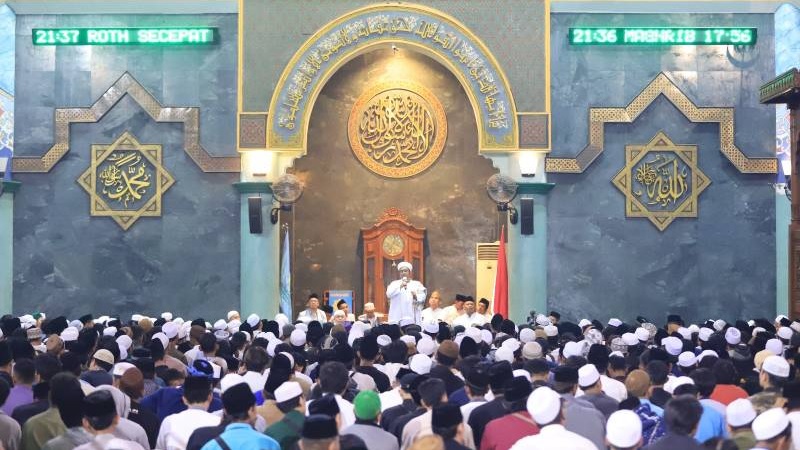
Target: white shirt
(467, 409)
(467, 321)
(554, 437)
(611, 387)
(390, 398)
(345, 411)
(109, 441)
(307, 316)
(255, 380)
(401, 300)
(433, 315)
(177, 428)
(451, 314)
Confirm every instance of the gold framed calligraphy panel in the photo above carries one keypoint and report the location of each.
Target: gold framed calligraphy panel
(126, 180)
(397, 129)
(661, 181)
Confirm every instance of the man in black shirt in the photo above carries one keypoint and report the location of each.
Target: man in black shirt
(367, 352)
(499, 374)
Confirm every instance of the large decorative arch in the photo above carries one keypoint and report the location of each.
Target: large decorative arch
(408, 26)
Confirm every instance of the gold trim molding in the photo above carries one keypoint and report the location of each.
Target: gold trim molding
(397, 129)
(127, 85)
(661, 85)
(669, 188)
(137, 169)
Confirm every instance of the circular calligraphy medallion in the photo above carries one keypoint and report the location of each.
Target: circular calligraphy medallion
(397, 129)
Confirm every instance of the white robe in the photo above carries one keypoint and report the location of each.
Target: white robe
(401, 302)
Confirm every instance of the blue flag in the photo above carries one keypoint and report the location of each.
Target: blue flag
(286, 278)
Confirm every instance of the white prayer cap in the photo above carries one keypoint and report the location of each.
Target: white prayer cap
(616, 353)
(137, 317)
(474, 333)
(795, 326)
(775, 346)
(624, 429)
(785, 333)
(232, 314)
(110, 331)
(271, 348)
(572, 349)
(779, 318)
(430, 327)
(124, 341)
(584, 322)
(770, 423)
(672, 345)
(522, 373)
(77, 324)
(733, 336)
(253, 320)
(719, 324)
(511, 344)
(220, 325)
(163, 338)
(221, 335)
(504, 354)
(69, 334)
(740, 412)
(420, 364)
(384, 340)
(282, 319)
(166, 316)
(642, 334)
(551, 330)
(233, 325)
(776, 365)
(685, 333)
(674, 382)
(705, 353)
(588, 375)
(179, 321)
(426, 346)
(408, 339)
(693, 328)
(614, 322)
(102, 319)
(630, 339)
(120, 368)
(230, 380)
(593, 336)
(757, 330)
(687, 359)
(544, 405)
(405, 265)
(298, 338)
(287, 391)
(486, 337)
(183, 331)
(301, 326)
(532, 350)
(288, 356)
(527, 335)
(170, 330)
(704, 334)
(542, 320)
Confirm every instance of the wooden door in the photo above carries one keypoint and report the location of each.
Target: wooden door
(384, 245)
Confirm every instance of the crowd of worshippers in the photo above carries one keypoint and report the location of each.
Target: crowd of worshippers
(170, 383)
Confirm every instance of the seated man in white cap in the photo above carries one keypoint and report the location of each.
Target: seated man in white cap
(312, 312)
(772, 430)
(404, 296)
(545, 407)
(624, 431)
(370, 316)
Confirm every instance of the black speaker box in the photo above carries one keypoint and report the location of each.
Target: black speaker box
(526, 216)
(254, 212)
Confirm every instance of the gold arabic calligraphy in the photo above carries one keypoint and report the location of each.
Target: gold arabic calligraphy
(665, 181)
(126, 178)
(397, 129)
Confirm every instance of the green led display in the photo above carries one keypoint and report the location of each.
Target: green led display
(662, 36)
(125, 36)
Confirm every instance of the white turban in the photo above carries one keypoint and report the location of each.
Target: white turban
(405, 265)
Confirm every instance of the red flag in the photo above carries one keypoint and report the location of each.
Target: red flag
(501, 280)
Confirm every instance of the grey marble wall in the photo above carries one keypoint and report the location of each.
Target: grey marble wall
(721, 264)
(66, 262)
(341, 196)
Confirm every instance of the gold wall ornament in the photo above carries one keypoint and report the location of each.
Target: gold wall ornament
(661, 181)
(126, 180)
(127, 85)
(661, 85)
(397, 129)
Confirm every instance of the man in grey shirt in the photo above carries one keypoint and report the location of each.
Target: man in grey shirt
(367, 408)
(589, 381)
(10, 432)
(581, 416)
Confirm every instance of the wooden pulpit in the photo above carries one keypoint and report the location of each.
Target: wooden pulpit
(384, 245)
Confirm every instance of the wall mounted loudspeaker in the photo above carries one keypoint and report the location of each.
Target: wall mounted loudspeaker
(254, 211)
(526, 216)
